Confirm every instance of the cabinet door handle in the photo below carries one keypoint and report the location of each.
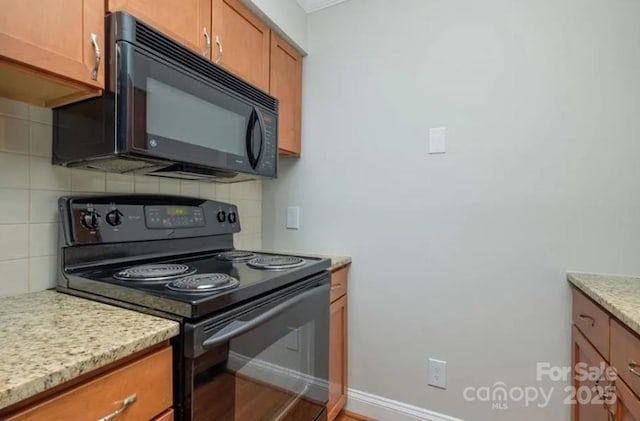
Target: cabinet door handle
(126, 403)
(97, 55)
(588, 318)
(632, 367)
(220, 50)
(207, 49)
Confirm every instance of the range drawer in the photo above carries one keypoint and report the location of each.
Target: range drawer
(146, 383)
(338, 283)
(592, 321)
(625, 355)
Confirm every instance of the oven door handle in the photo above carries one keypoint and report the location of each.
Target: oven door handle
(239, 327)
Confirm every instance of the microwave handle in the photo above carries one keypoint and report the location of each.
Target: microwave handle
(255, 118)
(239, 327)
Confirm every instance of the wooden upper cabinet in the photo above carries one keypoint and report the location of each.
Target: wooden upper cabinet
(49, 49)
(286, 85)
(241, 42)
(186, 21)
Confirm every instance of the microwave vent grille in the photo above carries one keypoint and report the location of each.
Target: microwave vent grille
(152, 39)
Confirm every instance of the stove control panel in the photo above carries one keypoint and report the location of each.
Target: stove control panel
(122, 218)
(174, 216)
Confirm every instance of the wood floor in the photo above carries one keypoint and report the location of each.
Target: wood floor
(348, 416)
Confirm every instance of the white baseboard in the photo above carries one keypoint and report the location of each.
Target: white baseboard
(389, 410)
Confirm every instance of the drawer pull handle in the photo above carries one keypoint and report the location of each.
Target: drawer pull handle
(633, 368)
(336, 286)
(97, 56)
(126, 403)
(588, 318)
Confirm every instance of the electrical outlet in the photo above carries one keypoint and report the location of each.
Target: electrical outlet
(438, 373)
(292, 340)
(437, 140)
(293, 217)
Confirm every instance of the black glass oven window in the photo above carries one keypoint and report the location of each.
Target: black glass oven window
(175, 114)
(268, 374)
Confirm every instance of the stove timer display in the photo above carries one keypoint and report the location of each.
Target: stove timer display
(181, 211)
(163, 217)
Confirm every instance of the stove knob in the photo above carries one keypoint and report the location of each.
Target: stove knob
(114, 218)
(233, 217)
(221, 216)
(90, 219)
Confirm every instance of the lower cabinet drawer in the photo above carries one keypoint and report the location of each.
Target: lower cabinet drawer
(625, 355)
(338, 284)
(592, 321)
(141, 390)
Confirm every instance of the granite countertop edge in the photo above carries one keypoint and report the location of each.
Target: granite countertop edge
(26, 377)
(619, 295)
(337, 261)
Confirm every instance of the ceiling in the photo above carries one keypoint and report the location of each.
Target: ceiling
(311, 6)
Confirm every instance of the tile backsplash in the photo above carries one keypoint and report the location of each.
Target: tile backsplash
(30, 186)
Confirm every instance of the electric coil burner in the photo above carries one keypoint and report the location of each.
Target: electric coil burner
(154, 272)
(244, 316)
(276, 262)
(237, 256)
(203, 283)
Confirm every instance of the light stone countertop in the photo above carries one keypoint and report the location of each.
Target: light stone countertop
(336, 261)
(49, 338)
(619, 295)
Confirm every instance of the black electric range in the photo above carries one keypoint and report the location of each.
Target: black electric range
(245, 316)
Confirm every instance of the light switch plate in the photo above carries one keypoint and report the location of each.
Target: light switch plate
(293, 217)
(437, 140)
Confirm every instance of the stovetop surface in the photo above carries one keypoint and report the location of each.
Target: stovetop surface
(252, 282)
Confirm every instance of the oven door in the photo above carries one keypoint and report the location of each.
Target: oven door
(265, 361)
(169, 113)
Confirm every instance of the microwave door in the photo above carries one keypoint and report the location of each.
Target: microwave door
(180, 117)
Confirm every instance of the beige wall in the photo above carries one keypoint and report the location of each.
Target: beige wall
(462, 256)
(30, 186)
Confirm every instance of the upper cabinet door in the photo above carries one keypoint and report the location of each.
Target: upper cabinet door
(53, 38)
(241, 42)
(186, 21)
(286, 85)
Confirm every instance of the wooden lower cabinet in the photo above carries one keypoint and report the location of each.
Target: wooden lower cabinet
(584, 353)
(51, 51)
(624, 348)
(628, 405)
(338, 345)
(141, 389)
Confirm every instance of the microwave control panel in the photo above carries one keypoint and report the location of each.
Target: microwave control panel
(267, 164)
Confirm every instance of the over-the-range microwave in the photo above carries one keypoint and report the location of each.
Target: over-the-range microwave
(167, 111)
